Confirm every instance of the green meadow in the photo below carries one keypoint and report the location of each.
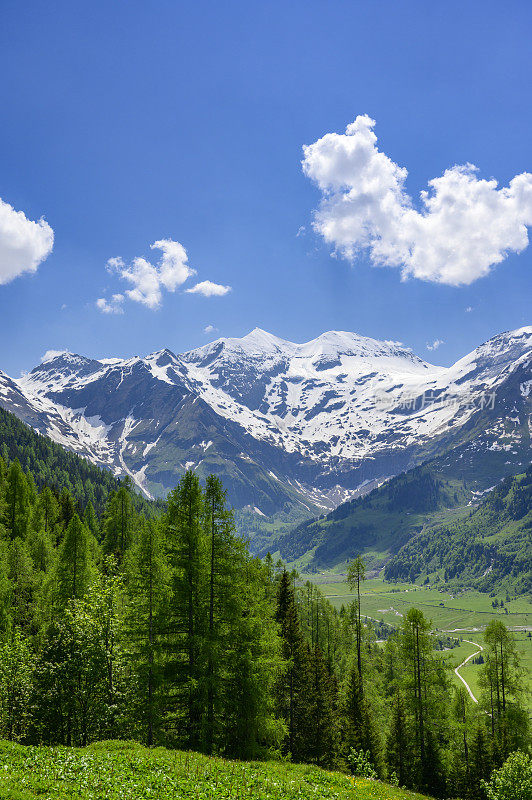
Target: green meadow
(464, 614)
(128, 771)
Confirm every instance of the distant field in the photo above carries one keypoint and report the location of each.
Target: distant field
(469, 610)
(127, 771)
(465, 615)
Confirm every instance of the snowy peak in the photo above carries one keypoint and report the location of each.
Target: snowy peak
(316, 417)
(59, 371)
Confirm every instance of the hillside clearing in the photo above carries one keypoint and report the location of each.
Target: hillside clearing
(118, 770)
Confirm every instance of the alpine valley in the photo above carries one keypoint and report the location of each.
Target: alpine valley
(293, 430)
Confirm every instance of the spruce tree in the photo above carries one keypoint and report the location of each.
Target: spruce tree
(186, 613)
(147, 578)
(398, 744)
(16, 502)
(293, 689)
(119, 523)
(74, 568)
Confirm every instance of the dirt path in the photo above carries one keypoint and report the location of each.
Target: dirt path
(457, 673)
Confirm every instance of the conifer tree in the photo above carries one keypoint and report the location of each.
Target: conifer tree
(398, 744)
(22, 584)
(356, 574)
(147, 589)
(322, 719)
(74, 568)
(293, 689)
(46, 512)
(119, 523)
(480, 762)
(186, 545)
(357, 726)
(219, 527)
(16, 502)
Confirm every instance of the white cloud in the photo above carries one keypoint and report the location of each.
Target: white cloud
(209, 289)
(112, 306)
(469, 309)
(435, 344)
(465, 226)
(52, 354)
(24, 244)
(210, 329)
(149, 281)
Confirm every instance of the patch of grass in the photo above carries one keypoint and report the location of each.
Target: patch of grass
(118, 770)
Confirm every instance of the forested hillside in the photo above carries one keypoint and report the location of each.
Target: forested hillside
(378, 523)
(48, 464)
(161, 627)
(490, 548)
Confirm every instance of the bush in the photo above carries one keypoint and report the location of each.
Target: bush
(513, 781)
(360, 764)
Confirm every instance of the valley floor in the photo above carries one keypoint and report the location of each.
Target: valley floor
(462, 615)
(119, 770)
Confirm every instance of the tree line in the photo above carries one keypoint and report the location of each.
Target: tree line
(162, 627)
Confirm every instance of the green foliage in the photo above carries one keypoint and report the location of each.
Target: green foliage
(117, 622)
(118, 770)
(360, 764)
(513, 781)
(16, 673)
(488, 549)
(377, 523)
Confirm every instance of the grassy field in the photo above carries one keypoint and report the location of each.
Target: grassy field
(465, 615)
(127, 771)
(469, 610)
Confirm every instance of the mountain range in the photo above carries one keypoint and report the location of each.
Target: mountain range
(293, 429)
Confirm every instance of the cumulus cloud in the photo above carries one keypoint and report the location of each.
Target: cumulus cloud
(435, 344)
(210, 329)
(149, 281)
(464, 227)
(209, 289)
(112, 306)
(469, 309)
(24, 244)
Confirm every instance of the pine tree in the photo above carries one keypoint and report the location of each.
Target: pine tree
(219, 527)
(357, 726)
(500, 678)
(22, 585)
(481, 763)
(147, 577)
(398, 744)
(253, 666)
(186, 544)
(427, 698)
(45, 513)
(355, 576)
(16, 502)
(322, 720)
(293, 689)
(74, 568)
(119, 523)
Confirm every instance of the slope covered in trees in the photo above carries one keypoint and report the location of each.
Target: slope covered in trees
(51, 465)
(488, 549)
(164, 629)
(378, 523)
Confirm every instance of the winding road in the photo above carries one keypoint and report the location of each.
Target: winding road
(457, 673)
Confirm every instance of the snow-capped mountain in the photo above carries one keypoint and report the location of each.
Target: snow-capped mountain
(283, 424)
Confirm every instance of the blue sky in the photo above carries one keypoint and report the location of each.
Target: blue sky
(124, 124)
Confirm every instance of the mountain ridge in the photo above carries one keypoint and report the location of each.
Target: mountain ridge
(309, 424)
